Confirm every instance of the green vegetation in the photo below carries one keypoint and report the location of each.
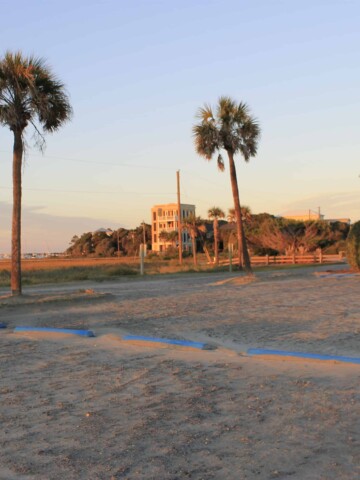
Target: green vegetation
(353, 246)
(269, 235)
(266, 235)
(119, 243)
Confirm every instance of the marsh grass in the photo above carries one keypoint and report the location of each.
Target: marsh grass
(36, 272)
(69, 274)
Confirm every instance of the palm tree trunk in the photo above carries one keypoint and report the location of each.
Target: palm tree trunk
(207, 253)
(216, 244)
(16, 215)
(244, 258)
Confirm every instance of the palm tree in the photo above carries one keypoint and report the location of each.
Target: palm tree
(246, 214)
(169, 237)
(194, 225)
(234, 130)
(30, 94)
(215, 213)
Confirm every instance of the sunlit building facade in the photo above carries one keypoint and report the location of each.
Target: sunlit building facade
(165, 218)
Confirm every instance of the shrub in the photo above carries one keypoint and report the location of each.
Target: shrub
(152, 255)
(353, 246)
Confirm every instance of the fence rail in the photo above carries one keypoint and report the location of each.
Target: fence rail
(290, 259)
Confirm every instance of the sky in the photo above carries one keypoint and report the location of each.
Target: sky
(138, 71)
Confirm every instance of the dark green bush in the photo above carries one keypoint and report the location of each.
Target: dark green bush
(353, 246)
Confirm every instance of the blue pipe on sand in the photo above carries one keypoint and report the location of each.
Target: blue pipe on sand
(84, 333)
(183, 343)
(313, 356)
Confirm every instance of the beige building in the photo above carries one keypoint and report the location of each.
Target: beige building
(305, 216)
(310, 215)
(164, 218)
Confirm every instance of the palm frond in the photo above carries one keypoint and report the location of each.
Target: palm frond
(205, 113)
(206, 139)
(31, 94)
(220, 163)
(216, 212)
(225, 109)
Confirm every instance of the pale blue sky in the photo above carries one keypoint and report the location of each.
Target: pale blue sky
(137, 71)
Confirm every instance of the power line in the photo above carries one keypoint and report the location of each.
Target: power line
(117, 192)
(93, 162)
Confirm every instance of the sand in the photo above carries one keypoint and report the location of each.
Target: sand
(101, 408)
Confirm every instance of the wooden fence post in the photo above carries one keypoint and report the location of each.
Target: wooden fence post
(230, 247)
(142, 256)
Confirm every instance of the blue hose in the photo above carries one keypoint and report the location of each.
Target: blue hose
(313, 356)
(84, 333)
(183, 343)
(3, 325)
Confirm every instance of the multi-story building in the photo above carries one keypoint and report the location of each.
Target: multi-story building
(164, 218)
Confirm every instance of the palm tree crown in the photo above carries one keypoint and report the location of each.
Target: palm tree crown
(231, 129)
(246, 214)
(216, 212)
(30, 93)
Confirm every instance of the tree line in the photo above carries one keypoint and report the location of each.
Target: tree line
(265, 233)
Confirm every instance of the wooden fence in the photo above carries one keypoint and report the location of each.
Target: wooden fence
(291, 259)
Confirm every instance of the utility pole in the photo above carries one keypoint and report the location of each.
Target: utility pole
(144, 237)
(179, 216)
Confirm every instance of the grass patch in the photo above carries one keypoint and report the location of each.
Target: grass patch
(36, 272)
(69, 274)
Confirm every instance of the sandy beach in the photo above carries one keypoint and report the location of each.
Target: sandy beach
(101, 408)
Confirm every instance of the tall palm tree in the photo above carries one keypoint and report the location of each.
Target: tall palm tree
(215, 213)
(234, 130)
(194, 225)
(30, 94)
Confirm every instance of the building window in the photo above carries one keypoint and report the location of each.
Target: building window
(155, 238)
(154, 215)
(154, 227)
